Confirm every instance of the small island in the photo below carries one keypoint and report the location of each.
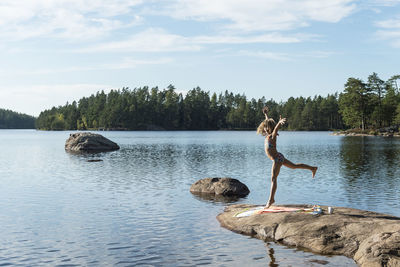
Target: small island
(89, 142)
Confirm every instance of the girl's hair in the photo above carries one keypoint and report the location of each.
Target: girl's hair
(266, 127)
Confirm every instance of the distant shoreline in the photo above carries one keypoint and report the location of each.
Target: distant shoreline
(176, 130)
(381, 132)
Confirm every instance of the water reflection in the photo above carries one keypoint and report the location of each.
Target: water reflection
(94, 160)
(363, 156)
(283, 256)
(134, 206)
(271, 254)
(369, 170)
(212, 198)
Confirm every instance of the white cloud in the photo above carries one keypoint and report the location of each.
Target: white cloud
(129, 63)
(151, 40)
(389, 31)
(261, 15)
(69, 19)
(265, 55)
(125, 63)
(279, 56)
(384, 2)
(389, 24)
(158, 40)
(77, 20)
(276, 38)
(318, 54)
(82, 19)
(393, 37)
(389, 34)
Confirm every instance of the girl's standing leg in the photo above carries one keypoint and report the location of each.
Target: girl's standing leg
(289, 164)
(276, 167)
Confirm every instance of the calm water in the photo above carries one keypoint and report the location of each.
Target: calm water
(134, 207)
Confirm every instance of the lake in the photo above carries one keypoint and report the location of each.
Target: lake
(134, 207)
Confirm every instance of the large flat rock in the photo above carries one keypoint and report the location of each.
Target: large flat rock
(371, 239)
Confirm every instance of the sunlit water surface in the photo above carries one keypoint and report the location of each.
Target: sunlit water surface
(134, 207)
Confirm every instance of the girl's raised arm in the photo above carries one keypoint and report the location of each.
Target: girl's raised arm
(281, 121)
(265, 111)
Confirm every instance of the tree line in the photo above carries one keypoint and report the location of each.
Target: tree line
(375, 103)
(147, 108)
(13, 120)
(370, 104)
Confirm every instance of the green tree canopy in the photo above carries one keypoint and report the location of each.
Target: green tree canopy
(153, 108)
(374, 103)
(355, 103)
(14, 120)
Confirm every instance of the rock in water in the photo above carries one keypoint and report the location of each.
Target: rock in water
(220, 186)
(89, 142)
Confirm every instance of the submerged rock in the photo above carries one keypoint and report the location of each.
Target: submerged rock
(89, 142)
(220, 186)
(371, 239)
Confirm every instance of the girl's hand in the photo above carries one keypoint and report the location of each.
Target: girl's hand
(265, 110)
(282, 121)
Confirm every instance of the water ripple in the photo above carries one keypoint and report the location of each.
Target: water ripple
(134, 207)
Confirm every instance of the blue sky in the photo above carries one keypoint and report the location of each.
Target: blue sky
(54, 51)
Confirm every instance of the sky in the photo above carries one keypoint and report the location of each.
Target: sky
(54, 51)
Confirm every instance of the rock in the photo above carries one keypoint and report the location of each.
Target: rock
(371, 239)
(89, 142)
(220, 186)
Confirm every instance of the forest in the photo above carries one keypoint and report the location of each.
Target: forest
(151, 109)
(374, 103)
(13, 120)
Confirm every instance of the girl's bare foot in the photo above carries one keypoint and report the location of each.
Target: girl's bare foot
(314, 170)
(269, 204)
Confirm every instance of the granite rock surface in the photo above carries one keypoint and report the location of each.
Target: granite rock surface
(371, 239)
(220, 186)
(89, 142)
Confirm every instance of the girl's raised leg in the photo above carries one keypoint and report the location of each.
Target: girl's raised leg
(289, 164)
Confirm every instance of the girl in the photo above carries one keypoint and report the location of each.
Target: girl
(269, 129)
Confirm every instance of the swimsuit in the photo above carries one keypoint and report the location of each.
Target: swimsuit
(270, 144)
(279, 156)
